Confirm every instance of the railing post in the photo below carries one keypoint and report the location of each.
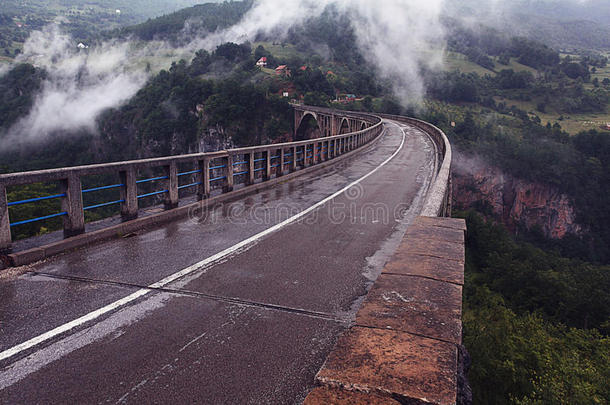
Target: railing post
(279, 171)
(314, 153)
(203, 190)
(251, 172)
(171, 197)
(267, 172)
(129, 194)
(294, 159)
(305, 148)
(72, 204)
(5, 226)
(229, 173)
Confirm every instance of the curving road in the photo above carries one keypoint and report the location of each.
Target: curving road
(237, 305)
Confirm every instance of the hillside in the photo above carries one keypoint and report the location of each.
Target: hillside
(85, 20)
(565, 24)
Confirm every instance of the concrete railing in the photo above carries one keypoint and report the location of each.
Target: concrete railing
(216, 172)
(438, 201)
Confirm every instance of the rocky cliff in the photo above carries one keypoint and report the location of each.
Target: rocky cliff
(516, 202)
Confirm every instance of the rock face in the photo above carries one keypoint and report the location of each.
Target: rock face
(516, 202)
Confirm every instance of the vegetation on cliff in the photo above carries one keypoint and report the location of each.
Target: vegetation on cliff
(536, 324)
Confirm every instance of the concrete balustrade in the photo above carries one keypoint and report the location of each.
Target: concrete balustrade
(261, 163)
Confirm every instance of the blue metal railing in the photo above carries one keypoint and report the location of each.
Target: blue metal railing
(91, 190)
(31, 200)
(152, 179)
(91, 207)
(187, 173)
(29, 221)
(189, 185)
(153, 193)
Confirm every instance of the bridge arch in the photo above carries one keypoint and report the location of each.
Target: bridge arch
(345, 127)
(362, 126)
(308, 127)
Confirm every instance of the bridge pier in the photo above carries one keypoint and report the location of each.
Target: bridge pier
(5, 226)
(204, 188)
(267, 163)
(129, 195)
(294, 165)
(279, 171)
(229, 181)
(72, 205)
(171, 197)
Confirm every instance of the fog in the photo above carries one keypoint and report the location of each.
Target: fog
(397, 37)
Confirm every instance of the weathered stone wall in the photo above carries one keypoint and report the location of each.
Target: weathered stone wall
(405, 346)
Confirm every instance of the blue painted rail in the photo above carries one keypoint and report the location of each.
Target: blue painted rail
(216, 172)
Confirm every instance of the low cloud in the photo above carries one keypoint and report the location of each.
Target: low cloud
(398, 37)
(80, 84)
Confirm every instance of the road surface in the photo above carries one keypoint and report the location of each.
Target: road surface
(239, 304)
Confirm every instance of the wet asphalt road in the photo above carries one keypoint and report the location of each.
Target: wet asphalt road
(253, 328)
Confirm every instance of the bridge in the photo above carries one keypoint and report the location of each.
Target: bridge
(324, 270)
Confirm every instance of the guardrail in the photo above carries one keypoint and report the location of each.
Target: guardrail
(438, 201)
(201, 173)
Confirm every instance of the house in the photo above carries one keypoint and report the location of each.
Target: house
(288, 91)
(282, 70)
(346, 98)
(262, 62)
(82, 46)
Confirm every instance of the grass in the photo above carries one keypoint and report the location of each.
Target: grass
(457, 61)
(282, 53)
(571, 123)
(516, 66)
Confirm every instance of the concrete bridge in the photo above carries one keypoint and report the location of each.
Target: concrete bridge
(328, 122)
(324, 270)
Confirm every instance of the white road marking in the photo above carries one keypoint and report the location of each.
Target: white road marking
(206, 262)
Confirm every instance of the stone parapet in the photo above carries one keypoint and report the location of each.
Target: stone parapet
(404, 345)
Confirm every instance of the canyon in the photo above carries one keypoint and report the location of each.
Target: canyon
(516, 202)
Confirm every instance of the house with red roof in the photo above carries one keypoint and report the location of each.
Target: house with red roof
(282, 70)
(262, 62)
